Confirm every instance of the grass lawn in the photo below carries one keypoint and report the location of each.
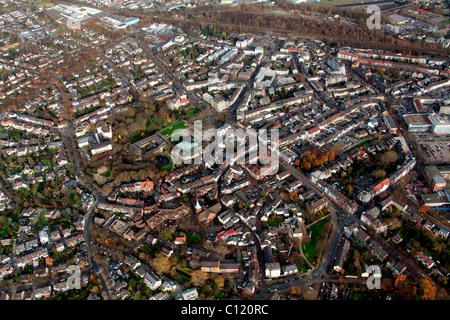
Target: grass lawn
(44, 4)
(168, 131)
(275, 222)
(168, 168)
(194, 237)
(359, 145)
(161, 123)
(302, 267)
(140, 136)
(219, 296)
(181, 277)
(106, 174)
(309, 249)
(191, 112)
(167, 234)
(187, 271)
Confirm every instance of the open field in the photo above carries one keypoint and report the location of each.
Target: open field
(168, 131)
(309, 249)
(10, 46)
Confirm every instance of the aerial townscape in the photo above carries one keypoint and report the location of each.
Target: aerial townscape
(96, 205)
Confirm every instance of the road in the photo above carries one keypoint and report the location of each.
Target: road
(339, 221)
(313, 277)
(67, 135)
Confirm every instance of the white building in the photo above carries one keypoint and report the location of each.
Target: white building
(441, 124)
(273, 270)
(152, 281)
(101, 147)
(43, 235)
(104, 130)
(190, 294)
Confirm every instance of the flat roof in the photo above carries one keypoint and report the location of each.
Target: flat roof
(417, 119)
(439, 120)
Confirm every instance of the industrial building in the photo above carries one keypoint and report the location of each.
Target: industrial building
(418, 122)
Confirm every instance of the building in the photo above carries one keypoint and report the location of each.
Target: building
(104, 129)
(32, 256)
(208, 214)
(190, 294)
(438, 199)
(382, 186)
(417, 122)
(378, 251)
(345, 203)
(273, 270)
(395, 202)
(97, 148)
(365, 196)
(371, 219)
(289, 269)
(219, 266)
(426, 261)
(390, 124)
(341, 255)
(43, 235)
(317, 205)
(151, 280)
(440, 123)
(434, 178)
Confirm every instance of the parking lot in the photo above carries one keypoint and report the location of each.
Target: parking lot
(437, 152)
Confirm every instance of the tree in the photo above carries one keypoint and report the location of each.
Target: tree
(161, 264)
(199, 278)
(389, 157)
(306, 165)
(394, 223)
(406, 289)
(220, 282)
(379, 173)
(424, 208)
(348, 189)
(294, 196)
(429, 290)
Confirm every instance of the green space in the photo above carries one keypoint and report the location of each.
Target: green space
(309, 249)
(141, 135)
(193, 237)
(274, 222)
(191, 112)
(184, 270)
(106, 174)
(167, 234)
(168, 131)
(6, 9)
(219, 296)
(180, 277)
(302, 266)
(358, 145)
(168, 168)
(6, 229)
(160, 123)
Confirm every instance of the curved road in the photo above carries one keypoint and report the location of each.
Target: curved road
(316, 274)
(95, 268)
